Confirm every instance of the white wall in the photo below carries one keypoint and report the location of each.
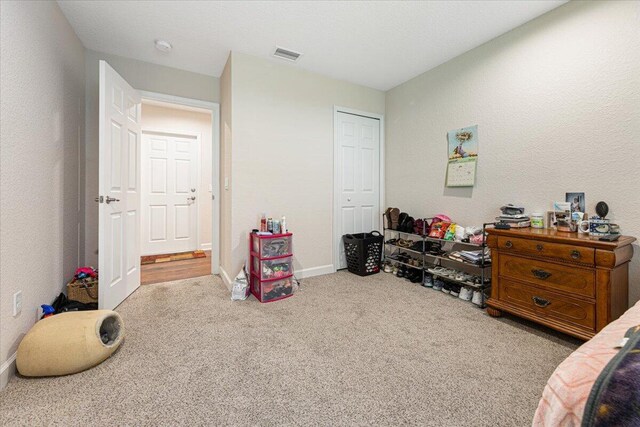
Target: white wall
(42, 116)
(282, 154)
(142, 76)
(160, 118)
(557, 104)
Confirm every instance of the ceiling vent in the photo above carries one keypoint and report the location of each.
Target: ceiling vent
(287, 54)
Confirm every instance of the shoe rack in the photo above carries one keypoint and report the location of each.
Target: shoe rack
(429, 260)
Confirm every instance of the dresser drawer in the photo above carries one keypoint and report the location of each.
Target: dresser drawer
(559, 251)
(567, 278)
(547, 304)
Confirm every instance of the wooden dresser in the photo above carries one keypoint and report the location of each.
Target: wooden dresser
(567, 281)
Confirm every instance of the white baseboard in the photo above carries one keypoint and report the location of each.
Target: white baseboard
(226, 279)
(205, 246)
(7, 370)
(315, 271)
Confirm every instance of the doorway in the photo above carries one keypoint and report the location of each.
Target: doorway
(358, 176)
(176, 191)
(119, 183)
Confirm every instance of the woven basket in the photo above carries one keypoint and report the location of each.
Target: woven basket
(85, 290)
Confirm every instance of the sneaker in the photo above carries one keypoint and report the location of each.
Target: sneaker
(446, 287)
(466, 294)
(428, 281)
(455, 290)
(401, 271)
(477, 298)
(388, 268)
(417, 276)
(395, 271)
(437, 284)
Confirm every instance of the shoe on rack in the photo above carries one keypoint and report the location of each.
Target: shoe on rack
(394, 214)
(387, 267)
(455, 290)
(437, 284)
(417, 276)
(387, 218)
(395, 271)
(466, 294)
(428, 280)
(477, 298)
(402, 217)
(446, 287)
(401, 271)
(439, 271)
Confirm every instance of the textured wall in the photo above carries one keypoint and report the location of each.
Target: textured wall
(557, 103)
(155, 117)
(42, 116)
(142, 76)
(283, 153)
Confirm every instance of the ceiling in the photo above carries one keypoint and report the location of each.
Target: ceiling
(372, 43)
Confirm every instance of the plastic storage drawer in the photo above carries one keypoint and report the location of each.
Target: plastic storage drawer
(272, 290)
(272, 246)
(269, 269)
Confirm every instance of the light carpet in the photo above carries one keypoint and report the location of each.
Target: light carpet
(344, 350)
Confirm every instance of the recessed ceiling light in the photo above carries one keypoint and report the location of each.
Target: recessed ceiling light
(163, 45)
(288, 54)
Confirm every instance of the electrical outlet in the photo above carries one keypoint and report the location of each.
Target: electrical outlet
(17, 303)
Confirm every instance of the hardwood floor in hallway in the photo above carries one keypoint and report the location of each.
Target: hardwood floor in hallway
(175, 270)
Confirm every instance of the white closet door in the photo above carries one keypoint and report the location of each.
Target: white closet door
(358, 175)
(169, 193)
(119, 179)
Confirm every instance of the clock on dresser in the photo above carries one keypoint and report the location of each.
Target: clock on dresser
(570, 282)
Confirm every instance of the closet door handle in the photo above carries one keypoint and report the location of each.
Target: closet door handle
(541, 274)
(541, 302)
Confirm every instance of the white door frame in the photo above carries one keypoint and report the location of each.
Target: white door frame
(215, 157)
(336, 191)
(197, 137)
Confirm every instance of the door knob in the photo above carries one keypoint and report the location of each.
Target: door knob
(109, 199)
(348, 199)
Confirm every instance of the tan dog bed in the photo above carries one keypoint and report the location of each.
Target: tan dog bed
(68, 343)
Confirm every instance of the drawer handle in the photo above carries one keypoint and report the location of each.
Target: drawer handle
(539, 248)
(575, 254)
(508, 244)
(541, 274)
(541, 302)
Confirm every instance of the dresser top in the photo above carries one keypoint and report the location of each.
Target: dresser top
(552, 235)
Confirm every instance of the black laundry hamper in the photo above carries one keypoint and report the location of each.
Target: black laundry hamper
(364, 252)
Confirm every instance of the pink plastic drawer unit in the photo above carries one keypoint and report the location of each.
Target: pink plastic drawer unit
(272, 246)
(271, 266)
(277, 268)
(271, 290)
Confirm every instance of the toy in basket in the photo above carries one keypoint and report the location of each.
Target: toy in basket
(84, 286)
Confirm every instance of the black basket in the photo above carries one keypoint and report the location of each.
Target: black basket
(364, 252)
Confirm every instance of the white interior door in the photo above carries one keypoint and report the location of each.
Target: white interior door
(358, 177)
(169, 193)
(119, 178)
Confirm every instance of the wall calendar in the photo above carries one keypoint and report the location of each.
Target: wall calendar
(463, 157)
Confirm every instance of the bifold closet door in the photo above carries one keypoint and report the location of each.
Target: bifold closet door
(358, 177)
